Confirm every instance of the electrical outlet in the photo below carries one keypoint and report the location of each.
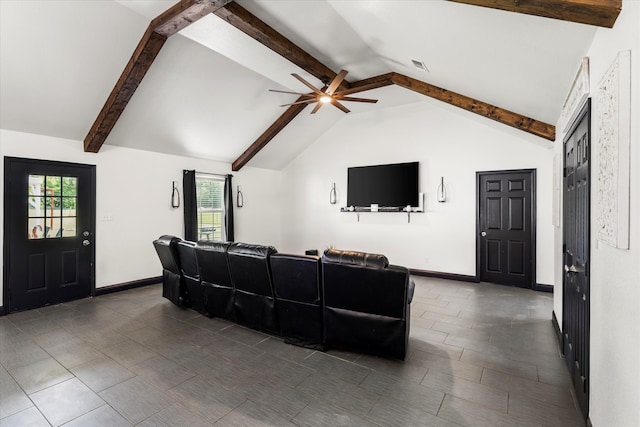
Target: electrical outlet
(107, 217)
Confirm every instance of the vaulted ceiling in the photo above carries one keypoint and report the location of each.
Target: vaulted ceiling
(206, 92)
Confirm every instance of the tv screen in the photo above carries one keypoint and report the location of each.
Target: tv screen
(394, 185)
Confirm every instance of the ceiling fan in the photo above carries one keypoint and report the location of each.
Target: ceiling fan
(326, 95)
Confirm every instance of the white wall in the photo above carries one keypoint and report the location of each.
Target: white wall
(615, 273)
(447, 142)
(134, 188)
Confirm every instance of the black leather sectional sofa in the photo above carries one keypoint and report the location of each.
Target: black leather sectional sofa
(347, 300)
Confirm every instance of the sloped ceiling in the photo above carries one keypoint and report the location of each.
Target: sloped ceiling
(206, 95)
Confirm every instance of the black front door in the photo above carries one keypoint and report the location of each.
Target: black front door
(576, 226)
(506, 233)
(49, 232)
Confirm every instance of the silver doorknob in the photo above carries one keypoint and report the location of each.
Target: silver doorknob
(86, 242)
(483, 234)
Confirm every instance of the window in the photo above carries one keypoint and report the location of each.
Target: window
(210, 207)
(51, 206)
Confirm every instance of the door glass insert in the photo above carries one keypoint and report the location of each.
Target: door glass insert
(52, 204)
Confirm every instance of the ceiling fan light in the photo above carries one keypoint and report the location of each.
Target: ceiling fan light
(325, 99)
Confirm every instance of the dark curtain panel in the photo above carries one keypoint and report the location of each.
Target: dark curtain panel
(190, 205)
(228, 207)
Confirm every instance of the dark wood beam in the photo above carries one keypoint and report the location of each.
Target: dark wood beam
(601, 13)
(257, 29)
(368, 84)
(518, 121)
(165, 25)
(183, 14)
(282, 121)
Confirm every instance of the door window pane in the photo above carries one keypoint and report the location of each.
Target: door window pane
(52, 206)
(68, 227)
(53, 228)
(52, 202)
(69, 186)
(36, 206)
(36, 185)
(36, 228)
(68, 206)
(53, 185)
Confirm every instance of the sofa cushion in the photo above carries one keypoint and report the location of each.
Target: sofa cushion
(213, 246)
(361, 259)
(258, 251)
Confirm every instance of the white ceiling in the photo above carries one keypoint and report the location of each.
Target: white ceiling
(206, 95)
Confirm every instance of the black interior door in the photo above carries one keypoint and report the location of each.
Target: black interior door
(506, 218)
(49, 232)
(576, 246)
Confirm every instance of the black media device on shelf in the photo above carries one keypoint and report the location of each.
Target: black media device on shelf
(391, 186)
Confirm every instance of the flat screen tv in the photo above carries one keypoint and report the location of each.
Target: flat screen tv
(393, 185)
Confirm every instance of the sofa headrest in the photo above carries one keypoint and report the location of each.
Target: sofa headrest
(166, 240)
(295, 257)
(186, 244)
(258, 251)
(206, 245)
(362, 259)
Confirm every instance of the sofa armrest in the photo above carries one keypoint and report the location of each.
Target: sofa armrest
(411, 285)
(411, 290)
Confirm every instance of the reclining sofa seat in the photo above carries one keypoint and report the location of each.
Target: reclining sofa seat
(191, 275)
(172, 287)
(297, 288)
(366, 303)
(254, 301)
(216, 280)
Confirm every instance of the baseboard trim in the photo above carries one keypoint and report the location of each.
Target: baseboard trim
(442, 275)
(127, 285)
(556, 328)
(541, 287)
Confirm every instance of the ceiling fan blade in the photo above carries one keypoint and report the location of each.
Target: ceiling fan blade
(350, 98)
(292, 93)
(336, 82)
(357, 89)
(316, 108)
(340, 106)
(304, 101)
(306, 83)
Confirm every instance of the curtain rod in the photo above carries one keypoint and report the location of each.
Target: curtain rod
(214, 174)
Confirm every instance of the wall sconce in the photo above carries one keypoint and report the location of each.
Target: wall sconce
(239, 198)
(442, 192)
(175, 195)
(333, 196)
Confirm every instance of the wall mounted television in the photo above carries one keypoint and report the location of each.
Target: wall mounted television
(390, 186)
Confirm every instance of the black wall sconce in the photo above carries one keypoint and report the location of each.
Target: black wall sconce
(442, 192)
(239, 198)
(175, 195)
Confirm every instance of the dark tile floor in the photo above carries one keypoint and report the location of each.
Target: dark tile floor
(479, 355)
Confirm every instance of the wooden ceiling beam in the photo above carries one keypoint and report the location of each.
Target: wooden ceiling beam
(257, 29)
(165, 25)
(282, 121)
(601, 13)
(518, 121)
(368, 84)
